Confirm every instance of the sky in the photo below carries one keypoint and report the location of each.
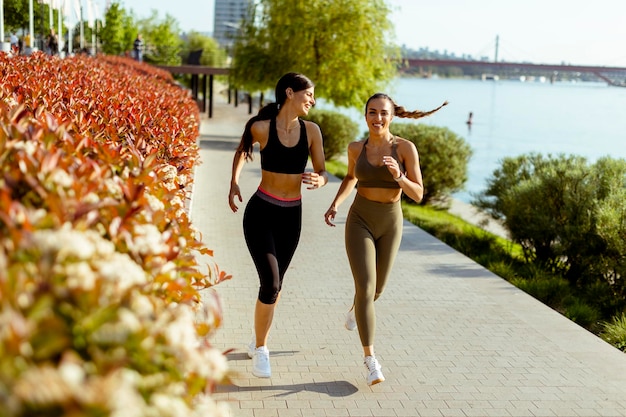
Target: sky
(576, 32)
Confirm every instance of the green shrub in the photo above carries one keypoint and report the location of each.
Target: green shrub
(443, 159)
(501, 268)
(600, 294)
(615, 332)
(568, 215)
(582, 313)
(539, 198)
(338, 130)
(551, 291)
(532, 271)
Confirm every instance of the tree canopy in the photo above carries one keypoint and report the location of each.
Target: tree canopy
(116, 35)
(343, 46)
(212, 54)
(16, 16)
(161, 36)
(162, 39)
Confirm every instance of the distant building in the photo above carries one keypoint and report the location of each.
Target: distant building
(228, 16)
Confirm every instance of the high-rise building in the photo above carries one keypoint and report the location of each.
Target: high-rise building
(228, 16)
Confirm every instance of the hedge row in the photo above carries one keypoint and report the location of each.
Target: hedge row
(100, 310)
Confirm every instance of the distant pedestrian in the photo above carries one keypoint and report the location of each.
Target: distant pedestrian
(52, 43)
(382, 167)
(272, 219)
(138, 48)
(15, 47)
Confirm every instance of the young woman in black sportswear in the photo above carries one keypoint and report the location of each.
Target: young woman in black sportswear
(273, 216)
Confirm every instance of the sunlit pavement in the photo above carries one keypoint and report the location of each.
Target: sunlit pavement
(453, 338)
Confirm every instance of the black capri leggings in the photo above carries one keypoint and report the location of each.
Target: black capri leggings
(271, 227)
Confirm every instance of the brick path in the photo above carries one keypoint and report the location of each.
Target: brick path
(453, 339)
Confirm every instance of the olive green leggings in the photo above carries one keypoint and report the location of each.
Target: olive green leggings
(373, 234)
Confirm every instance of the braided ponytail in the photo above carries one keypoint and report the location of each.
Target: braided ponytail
(400, 111)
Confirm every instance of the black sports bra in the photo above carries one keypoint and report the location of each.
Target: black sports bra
(371, 176)
(276, 157)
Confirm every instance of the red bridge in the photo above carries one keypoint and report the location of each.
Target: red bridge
(612, 75)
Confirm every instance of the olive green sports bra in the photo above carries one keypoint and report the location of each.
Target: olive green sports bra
(370, 176)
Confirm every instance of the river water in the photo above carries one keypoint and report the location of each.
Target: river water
(511, 118)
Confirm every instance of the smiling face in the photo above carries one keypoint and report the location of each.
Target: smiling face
(302, 100)
(378, 115)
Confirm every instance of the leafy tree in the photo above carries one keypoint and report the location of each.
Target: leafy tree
(341, 45)
(161, 39)
(130, 32)
(116, 37)
(212, 54)
(16, 16)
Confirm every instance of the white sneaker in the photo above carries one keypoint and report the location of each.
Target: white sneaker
(350, 320)
(374, 372)
(251, 347)
(261, 363)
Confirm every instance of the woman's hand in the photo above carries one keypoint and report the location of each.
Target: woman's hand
(329, 216)
(392, 165)
(313, 180)
(234, 192)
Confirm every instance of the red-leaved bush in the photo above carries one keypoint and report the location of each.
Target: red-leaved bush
(100, 311)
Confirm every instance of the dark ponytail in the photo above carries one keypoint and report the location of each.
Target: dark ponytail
(297, 82)
(265, 113)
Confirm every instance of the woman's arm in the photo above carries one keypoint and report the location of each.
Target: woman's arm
(410, 181)
(347, 185)
(238, 160)
(319, 177)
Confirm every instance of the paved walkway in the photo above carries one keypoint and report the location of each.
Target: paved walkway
(453, 339)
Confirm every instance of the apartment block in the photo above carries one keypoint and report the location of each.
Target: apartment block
(228, 16)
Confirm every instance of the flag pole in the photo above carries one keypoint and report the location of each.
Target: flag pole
(2, 28)
(82, 26)
(31, 25)
(60, 25)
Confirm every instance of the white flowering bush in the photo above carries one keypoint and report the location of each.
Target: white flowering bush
(100, 312)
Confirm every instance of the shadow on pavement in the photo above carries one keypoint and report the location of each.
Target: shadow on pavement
(331, 388)
(219, 143)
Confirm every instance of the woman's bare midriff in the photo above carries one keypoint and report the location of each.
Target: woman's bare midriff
(380, 195)
(285, 186)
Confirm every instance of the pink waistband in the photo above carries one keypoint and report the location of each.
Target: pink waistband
(279, 198)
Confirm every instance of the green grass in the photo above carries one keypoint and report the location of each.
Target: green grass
(615, 332)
